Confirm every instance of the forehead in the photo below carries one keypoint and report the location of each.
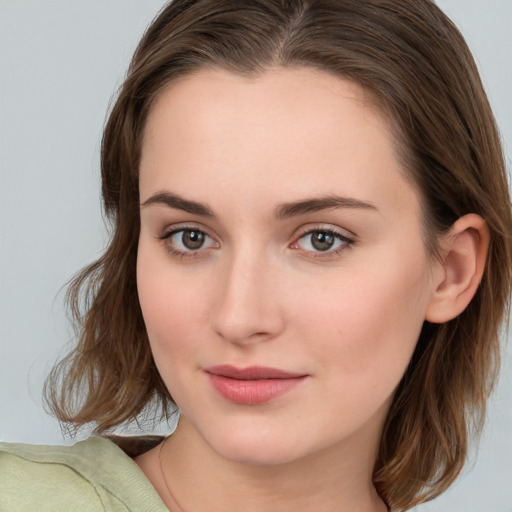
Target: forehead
(212, 102)
(296, 132)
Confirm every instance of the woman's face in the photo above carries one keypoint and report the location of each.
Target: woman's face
(281, 269)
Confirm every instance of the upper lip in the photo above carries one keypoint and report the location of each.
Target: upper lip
(251, 372)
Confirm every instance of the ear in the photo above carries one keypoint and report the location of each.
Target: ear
(457, 276)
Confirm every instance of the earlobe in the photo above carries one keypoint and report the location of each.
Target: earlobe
(464, 252)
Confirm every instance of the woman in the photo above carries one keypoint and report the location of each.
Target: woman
(311, 257)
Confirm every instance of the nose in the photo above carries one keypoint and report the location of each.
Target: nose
(247, 309)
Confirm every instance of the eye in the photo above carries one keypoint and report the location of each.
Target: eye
(189, 239)
(184, 241)
(322, 241)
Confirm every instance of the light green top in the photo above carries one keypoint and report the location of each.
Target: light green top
(90, 476)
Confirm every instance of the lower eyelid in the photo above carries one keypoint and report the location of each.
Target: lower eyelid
(331, 253)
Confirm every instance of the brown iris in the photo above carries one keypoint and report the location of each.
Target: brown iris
(192, 240)
(322, 241)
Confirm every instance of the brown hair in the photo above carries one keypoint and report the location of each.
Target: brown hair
(410, 56)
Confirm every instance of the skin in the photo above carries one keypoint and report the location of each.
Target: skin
(258, 292)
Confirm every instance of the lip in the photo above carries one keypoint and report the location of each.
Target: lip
(253, 385)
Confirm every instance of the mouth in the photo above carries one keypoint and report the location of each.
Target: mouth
(254, 385)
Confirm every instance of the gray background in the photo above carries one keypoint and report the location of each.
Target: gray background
(60, 62)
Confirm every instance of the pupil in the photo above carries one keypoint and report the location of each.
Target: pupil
(192, 239)
(322, 241)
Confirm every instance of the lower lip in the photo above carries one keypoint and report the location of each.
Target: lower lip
(252, 392)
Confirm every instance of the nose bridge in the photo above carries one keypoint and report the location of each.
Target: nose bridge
(247, 308)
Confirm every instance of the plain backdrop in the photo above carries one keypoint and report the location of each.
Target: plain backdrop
(60, 63)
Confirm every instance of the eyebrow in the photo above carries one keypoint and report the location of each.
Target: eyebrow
(312, 205)
(282, 211)
(179, 203)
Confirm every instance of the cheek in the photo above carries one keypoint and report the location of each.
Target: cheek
(171, 314)
(169, 306)
(365, 326)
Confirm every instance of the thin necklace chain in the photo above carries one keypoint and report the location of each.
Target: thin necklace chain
(180, 508)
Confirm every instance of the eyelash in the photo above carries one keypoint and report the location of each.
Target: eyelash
(178, 253)
(346, 242)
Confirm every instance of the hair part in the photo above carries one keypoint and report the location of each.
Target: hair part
(411, 58)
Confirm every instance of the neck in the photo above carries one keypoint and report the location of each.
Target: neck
(318, 481)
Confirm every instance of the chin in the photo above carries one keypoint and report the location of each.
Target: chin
(257, 449)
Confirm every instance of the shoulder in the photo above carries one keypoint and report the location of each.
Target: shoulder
(46, 477)
(92, 475)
